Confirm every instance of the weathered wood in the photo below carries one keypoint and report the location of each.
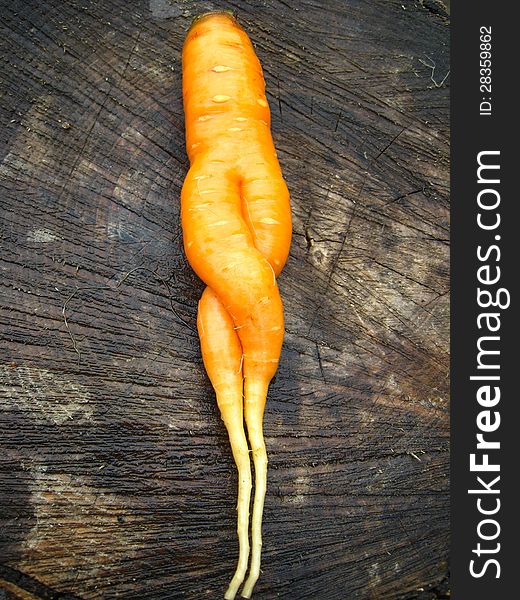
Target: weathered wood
(115, 473)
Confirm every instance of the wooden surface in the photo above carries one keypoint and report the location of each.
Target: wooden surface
(115, 475)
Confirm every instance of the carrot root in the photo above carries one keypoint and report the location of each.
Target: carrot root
(260, 462)
(244, 495)
(255, 397)
(240, 451)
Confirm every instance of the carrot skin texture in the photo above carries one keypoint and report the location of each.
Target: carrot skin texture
(237, 230)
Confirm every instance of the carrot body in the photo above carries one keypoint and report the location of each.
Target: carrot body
(237, 229)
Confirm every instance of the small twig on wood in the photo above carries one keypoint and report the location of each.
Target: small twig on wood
(431, 65)
(107, 287)
(69, 331)
(161, 280)
(66, 321)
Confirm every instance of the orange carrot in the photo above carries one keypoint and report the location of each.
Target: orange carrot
(237, 230)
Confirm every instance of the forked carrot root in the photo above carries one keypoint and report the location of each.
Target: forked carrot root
(237, 230)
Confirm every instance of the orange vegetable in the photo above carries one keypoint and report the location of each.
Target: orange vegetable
(236, 223)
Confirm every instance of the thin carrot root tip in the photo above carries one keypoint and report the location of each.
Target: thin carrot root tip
(244, 496)
(236, 582)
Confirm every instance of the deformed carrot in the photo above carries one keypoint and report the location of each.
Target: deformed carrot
(237, 230)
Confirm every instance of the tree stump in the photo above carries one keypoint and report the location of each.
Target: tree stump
(116, 479)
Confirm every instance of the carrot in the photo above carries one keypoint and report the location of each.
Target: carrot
(237, 231)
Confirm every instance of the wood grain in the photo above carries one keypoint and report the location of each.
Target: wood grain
(115, 475)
